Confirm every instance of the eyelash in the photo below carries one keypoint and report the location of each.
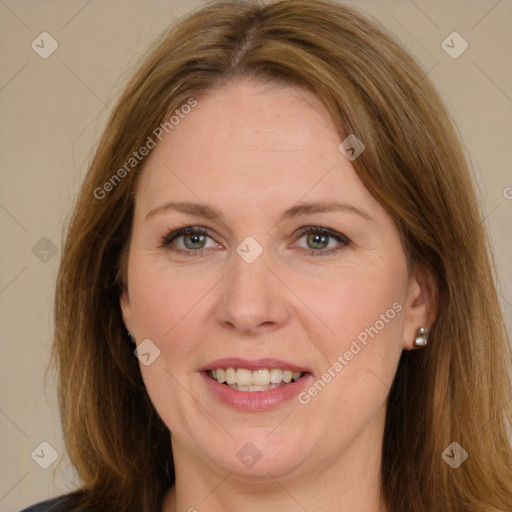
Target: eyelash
(341, 239)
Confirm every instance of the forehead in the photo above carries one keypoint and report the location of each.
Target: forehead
(255, 145)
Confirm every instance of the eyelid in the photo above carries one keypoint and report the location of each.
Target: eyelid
(174, 233)
(342, 240)
(323, 231)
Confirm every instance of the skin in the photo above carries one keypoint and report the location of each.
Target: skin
(252, 151)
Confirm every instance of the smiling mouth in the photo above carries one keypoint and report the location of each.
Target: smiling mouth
(242, 379)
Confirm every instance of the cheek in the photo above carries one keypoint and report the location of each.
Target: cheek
(161, 298)
(166, 306)
(365, 310)
(359, 361)
(362, 306)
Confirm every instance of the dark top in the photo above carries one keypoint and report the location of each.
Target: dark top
(60, 504)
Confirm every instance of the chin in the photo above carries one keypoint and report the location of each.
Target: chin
(260, 455)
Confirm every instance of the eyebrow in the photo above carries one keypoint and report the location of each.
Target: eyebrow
(209, 212)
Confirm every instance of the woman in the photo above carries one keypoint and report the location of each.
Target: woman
(280, 221)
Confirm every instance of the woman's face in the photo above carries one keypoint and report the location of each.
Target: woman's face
(290, 270)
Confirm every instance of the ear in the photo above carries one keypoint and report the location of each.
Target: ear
(421, 305)
(126, 309)
(122, 280)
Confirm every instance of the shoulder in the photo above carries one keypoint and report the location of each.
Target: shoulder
(60, 504)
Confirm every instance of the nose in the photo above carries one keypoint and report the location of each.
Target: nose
(254, 300)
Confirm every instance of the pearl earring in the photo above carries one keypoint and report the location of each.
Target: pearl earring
(421, 337)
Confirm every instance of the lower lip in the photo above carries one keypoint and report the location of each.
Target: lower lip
(255, 400)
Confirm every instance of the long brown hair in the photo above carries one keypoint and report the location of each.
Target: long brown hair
(455, 390)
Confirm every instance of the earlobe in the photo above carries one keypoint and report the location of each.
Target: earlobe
(421, 308)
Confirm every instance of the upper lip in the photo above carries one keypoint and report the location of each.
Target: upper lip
(252, 364)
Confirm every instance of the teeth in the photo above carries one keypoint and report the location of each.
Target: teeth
(276, 375)
(258, 380)
(230, 376)
(287, 376)
(253, 388)
(243, 377)
(260, 377)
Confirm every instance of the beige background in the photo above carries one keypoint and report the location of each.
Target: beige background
(53, 111)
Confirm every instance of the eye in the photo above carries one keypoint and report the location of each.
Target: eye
(189, 240)
(322, 241)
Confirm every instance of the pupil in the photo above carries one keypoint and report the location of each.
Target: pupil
(191, 241)
(318, 239)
